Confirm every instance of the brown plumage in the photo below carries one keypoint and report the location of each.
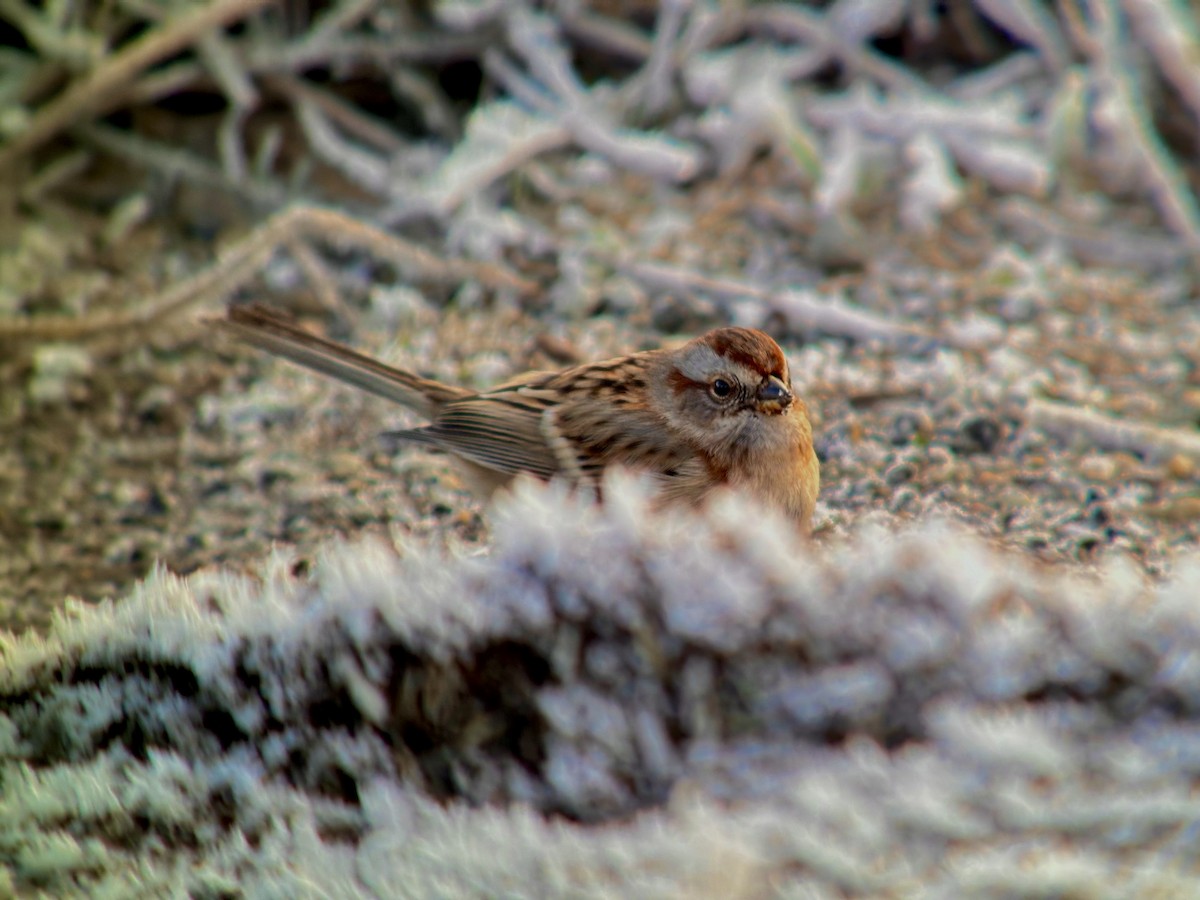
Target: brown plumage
(718, 411)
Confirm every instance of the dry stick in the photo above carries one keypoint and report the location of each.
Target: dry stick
(801, 311)
(1169, 36)
(998, 78)
(323, 283)
(339, 19)
(656, 76)
(792, 21)
(521, 150)
(1075, 26)
(231, 148)
(241, 96)
(570, 104)
(612, 36)
(266, 59)
(1113, 246)
(368, 170)
(357, 49)
(421, 91)
(336, 228)
(265, 192)
(94, 95)
(165, 81)
(353, 120)
(237, 263)
(1165, 181)
(1029, 23)
(59, 170)
(231, 268)
(221, 61)
(1072, 423)
(72, 48)
(807, 311)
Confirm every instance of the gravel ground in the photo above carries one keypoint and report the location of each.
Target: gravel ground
(953, 264)
(974, 229)
(176, 448)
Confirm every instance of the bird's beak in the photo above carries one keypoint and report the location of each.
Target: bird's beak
(773, 395)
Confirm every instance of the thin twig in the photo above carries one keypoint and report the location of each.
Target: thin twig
(165, 81)
(1029, 23)
(656, 75)
(338, 229)
(58, 171)
(338, 19)
(237, 263)
(363, 168)
(793, 21)
(659, 156)
(323, 283)
(94, 95)
(802, 310)
(231, 148)
(1109, 246)
(988, 139)
(223, 64)
(520, 146)
(179, 163)
(231, 268)
(1169, 32)
(73, 48)
(609, 35)
(353, 120)
(355, 49)
(1167, 185)
(1072, 424)
(428, 100)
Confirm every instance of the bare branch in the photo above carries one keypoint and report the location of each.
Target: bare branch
(1073, 424)
(94, 95)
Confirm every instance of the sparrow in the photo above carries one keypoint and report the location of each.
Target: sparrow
(718, 412)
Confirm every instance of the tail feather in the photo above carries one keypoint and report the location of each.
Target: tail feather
(271, 332)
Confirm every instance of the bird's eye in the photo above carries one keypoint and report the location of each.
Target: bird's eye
(721, 388)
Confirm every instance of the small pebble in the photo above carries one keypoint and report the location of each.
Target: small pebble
(1181, 467)
(938, 455)
(910, 426)
(905, 500)
(1191, 398)
(1098, 468)
(988, 479)
(344, 466)
(979, 434)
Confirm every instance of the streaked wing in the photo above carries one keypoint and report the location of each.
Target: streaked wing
(574, 423)
(613, 424)
(636, 438)
(500, 430)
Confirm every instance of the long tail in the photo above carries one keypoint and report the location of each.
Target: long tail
(269, 331)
